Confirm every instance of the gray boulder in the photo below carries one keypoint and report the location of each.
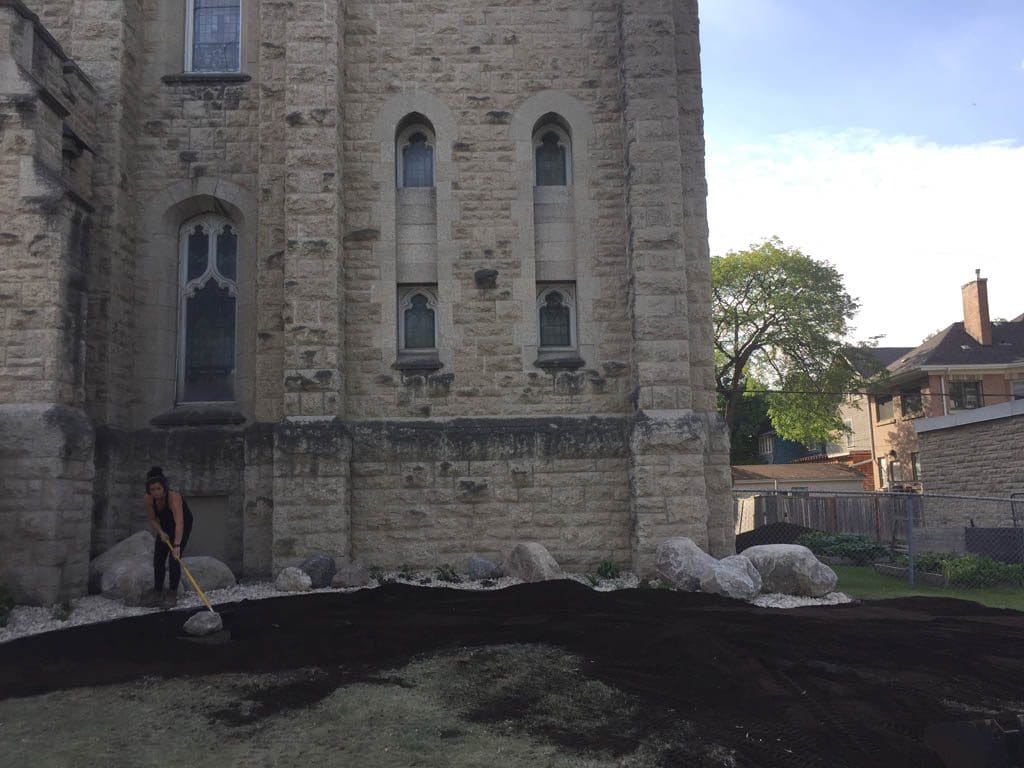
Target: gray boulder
(210, 572)
(204, 623)
(482, 568)
(350, 575)
(127, 580)
(531, 562)
(320, 569)
(734, 577)
(293, 580)
(681, 563)
(791, 570)
(138, 546)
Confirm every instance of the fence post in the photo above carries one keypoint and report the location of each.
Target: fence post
(911, 549)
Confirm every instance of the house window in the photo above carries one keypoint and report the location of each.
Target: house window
(417, 318)
(556, 312)
(1017, 388)
(851, 439)
(552, 156)
(915, 466)
(884, 480)
(213, 36)
(765, 445)
(415, 154)
(884, 408)
(207, 304)
(911, 404)
(965, 395)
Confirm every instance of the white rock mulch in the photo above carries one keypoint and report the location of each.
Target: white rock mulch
(29, 620)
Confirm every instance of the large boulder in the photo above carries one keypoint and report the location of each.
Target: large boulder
(481, 568)
(293, 580)
(734, 577)
(350, 575)
(127, 580)
(210, 572)
(138, 546)
(531, 562)
(681, 563)
(791, 569)
(320, 569)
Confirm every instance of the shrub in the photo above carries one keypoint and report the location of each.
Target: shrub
(862, 550)
(608, 570)
(6, 606)
(968, 570)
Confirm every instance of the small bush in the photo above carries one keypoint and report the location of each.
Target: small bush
(446, 572)
(968, 570)
(6, 606)
(405, 571)
(61, 611)
(608, 570)
(377, 574)
(862, 550)
(592, 579)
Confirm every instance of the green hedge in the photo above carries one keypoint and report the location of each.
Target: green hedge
(969, 570)
(862, 550)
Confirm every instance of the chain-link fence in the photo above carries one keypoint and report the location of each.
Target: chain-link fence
(940, 540)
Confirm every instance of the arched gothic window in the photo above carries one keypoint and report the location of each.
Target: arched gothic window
(417, 319)
(207, 305)
(552, 156)
(213, 35)
(415, 154)
(556, 310)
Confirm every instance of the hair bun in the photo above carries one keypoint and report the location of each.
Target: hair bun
(155, 473)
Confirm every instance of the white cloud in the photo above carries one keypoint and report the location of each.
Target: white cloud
(906, 221)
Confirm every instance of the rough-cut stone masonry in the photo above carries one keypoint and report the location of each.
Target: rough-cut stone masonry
(978, 459)
(298, 151)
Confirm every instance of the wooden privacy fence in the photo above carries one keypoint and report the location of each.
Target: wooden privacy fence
(882, 516)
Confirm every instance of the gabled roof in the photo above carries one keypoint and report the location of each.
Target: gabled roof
(794, 472)
(954, 346)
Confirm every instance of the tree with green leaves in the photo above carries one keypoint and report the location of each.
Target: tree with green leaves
(781, 324)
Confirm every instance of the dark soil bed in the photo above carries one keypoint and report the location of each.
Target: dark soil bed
(852, 685)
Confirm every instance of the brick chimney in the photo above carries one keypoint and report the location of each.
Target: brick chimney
(976, 320)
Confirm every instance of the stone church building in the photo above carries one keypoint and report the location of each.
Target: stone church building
(397, 281)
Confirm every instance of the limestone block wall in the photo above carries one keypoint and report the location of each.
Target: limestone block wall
(470, 70)
(975, 459)
(46, 474)
(425, 493)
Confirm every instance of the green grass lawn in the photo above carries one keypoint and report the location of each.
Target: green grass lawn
(866, 584)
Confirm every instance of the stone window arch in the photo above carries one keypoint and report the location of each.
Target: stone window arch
(417, 319)
(213, 35)
(556, 317)
(414, 153)
(552, 153)
(207, 310)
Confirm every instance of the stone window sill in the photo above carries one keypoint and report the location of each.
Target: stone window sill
(199, 416)
(417, 362)
(561, 360)
(205, 78)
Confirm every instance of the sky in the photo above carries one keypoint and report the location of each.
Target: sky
(883, 136)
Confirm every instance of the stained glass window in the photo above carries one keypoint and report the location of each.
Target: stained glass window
(418, 162)
(418, 318)
(208, 310)
(555, 321)
(216, 35)
(551, 164)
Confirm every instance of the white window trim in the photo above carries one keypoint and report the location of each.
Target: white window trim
(405, 296)
(563, 141)
(402, 141)
(187, 288)
(568, 291)
(190, 7)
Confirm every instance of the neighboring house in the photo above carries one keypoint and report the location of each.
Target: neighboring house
(969, 365)
(773, 449)
(796, 477)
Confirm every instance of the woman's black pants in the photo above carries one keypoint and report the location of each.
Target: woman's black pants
(160, 555)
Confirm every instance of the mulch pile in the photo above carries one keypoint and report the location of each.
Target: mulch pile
(852, 685)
